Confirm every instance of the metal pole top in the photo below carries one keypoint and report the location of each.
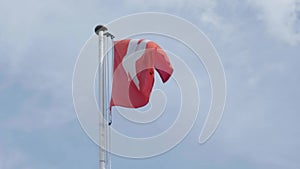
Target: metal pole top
(99, 28)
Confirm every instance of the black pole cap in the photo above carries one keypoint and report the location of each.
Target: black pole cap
(99, 28)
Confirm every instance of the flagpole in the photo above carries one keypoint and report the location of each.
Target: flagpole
(99, 30)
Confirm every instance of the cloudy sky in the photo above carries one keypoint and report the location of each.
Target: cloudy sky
(258, 43)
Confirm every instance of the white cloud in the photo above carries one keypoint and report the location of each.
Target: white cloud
(281, 18)
(35, 58)
(204, 10)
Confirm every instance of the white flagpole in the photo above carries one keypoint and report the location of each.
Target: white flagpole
(102, 154)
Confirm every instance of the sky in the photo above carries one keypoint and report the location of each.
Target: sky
(258, 43)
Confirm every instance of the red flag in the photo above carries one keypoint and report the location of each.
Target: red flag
(133, 76)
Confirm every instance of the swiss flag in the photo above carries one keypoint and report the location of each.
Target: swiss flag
(133, 76)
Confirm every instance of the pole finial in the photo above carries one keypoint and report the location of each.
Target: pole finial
(99, 28)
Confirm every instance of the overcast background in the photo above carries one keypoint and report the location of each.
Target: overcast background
(259, 45)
